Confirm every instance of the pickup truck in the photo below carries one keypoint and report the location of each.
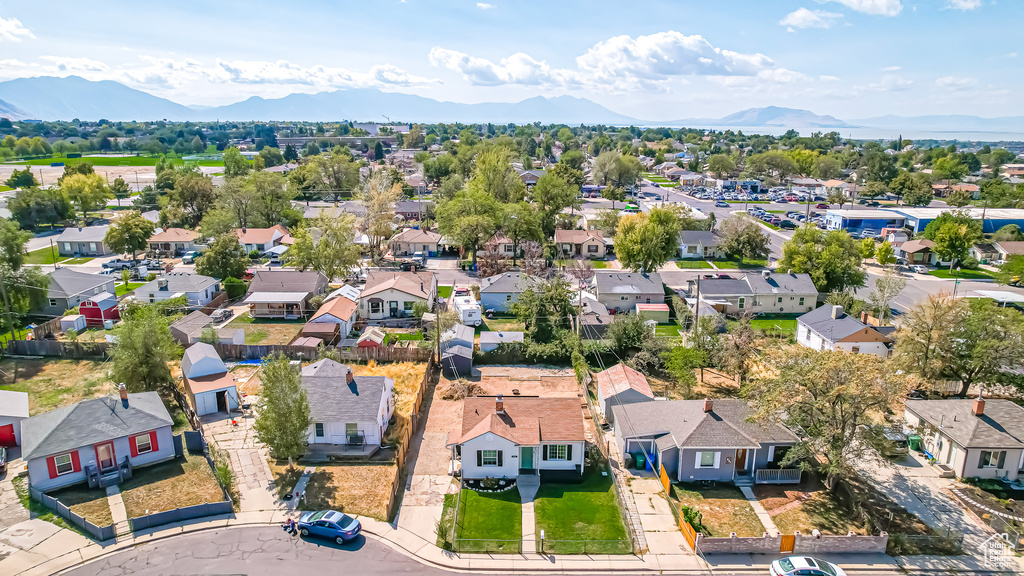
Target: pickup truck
(119, 264)
(190, 257)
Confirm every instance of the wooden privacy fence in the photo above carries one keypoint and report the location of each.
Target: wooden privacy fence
(100, 533)
(388, 354)
(216, 302)
(403, 446)
(48, 327)
(58, 348)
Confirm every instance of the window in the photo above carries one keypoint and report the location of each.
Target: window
(623, 297)
(592, 248)
(143, 444)
(741, 302)
(856, 349)
(92, 246)
(319, 429)
(63, 464)
(508, 297)
(707, 459)
(992, 459)
(375, 307)
(53, 302)
(67, 246)
(488, 457)
(780, 299)
(351, 429)
(557, 452)
(407, 306)
(801, 301)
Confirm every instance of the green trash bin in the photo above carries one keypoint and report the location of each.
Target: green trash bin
(915, 442)
(639, 459)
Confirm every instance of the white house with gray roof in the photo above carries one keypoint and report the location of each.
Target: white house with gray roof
(501, 291)
(197, 289)
(622, 291)
(831, 328)
(88, 241)
(700, 244)
(347, 410)
(767, 292)
(705, 440)
(63, 446)
(68, 288)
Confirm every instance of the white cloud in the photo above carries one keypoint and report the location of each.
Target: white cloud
(518, 68)
(74, 64)
(826, 78)
(955, 83)
(964, 4)
(1011, 55)
(484, 5)
(804, 18)
(892, 68)
(891, 83)
(12, 30)
(320, 77)
(874, 7)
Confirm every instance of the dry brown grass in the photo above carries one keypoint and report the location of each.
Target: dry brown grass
(51, 384)
(361, 489)
(175, 484)
(724, 509)
(250, 379)
(90, 503)
(456, 390)
(407, 377)
(285, 478)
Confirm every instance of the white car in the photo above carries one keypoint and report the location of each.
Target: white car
(804, 566)
(920, 269)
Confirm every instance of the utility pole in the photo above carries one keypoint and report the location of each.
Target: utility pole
(53, 256)
(7, 306)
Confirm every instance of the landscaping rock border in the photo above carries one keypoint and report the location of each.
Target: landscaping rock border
(478, 488)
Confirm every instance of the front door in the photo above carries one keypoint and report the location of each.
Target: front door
(393, 306)
(526, 458)
(741, 461)
(105, 456)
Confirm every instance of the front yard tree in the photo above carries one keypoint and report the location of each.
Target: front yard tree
(144, 349)
(283, 421)
(720, 165)
(645, 241)
(954, 240)
(832, 258)
(885, 254)
(613, 193)
(887, 287)
(551, 195)
(743, 237)
(194, 195)
(88, 192)
(130, 233)
(959, 198)
(837, 196)
(834, 397)
(470, 218)
(521, 222)
(226, 258)
(379, 196)
(326, 245)
(32, 207)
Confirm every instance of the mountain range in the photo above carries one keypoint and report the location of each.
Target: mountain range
(55, 98)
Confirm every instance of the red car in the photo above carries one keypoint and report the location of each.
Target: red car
(822, 206)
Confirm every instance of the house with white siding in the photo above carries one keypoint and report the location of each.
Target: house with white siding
(347, 410)
(830, 328)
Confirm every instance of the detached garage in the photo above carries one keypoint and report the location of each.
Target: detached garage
(210, 386)
(13, 409)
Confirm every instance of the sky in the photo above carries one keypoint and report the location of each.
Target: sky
(652, 60)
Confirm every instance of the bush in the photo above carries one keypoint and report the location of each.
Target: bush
(234, 287)
(970, 263)
(489, 483)
(254, 255)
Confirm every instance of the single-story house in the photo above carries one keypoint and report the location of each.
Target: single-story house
(417, 183)
(173, 240)
(339, 310)
(1009, 249)
(983, 251)
(707, 439)
(457, 335)
(457, 361)
(620, 385)
(621, 291)
(768, 292)
(829, 327)
(503, 244)
(347, 409)
(98, 308)
(197, 289)
(581, 243)
(917, 252)
(88, 241)
(508, 437)
(501, 291)
(190, 328)
(412, 240)
(976, 438)
(210, 386)
(262, 239)
(95, 438)
(389, 294)
(414, 209)
(13, 410)
(283, 293)
(657, 312)
(490, 340)
(372, 337)
(68, 288)
(530, 177)
(700, 244)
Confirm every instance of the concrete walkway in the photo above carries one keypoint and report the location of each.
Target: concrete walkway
(118, 513)
(528, 487)
(762, 514)
(299, 492)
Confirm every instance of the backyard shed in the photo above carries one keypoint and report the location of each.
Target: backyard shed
(620, 385)
(457, 361)
(74, 322)
(98, 308)
(13, 409)
(656, 312)
(211, 388)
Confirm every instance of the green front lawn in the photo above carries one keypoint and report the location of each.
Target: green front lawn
(581, 518)
(44, 256)
(667, 330)
(122, 289)
(692, 264)
(5, 188)
(489, 522)
(963, 274)
(444, 291)
(745, 264)
(599, 264)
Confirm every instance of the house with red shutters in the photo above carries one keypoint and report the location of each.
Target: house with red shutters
(102, 439)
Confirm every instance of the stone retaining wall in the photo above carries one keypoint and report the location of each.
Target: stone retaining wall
(815, 543)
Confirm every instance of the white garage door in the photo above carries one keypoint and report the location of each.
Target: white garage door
(206, 403)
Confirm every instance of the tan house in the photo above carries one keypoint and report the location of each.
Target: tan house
(173, 240)
(394, 294)
(580, 243)
(411, 241)
(262, 239)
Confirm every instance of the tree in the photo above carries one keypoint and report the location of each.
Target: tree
(836, 398)
(923, 342)
(874, 190)
(914, 189)
(681, 362)
(737, 348)
(885, 254)
(954, 240)
(378, 196)
(493, 174)
(269, 196)
(130, 233)
(378, 151)
(552, 194)
(521, 222)
(235, 165)
(33, 207)
(627, 333)
(645, 241)
(613, 193)
(837, 197)
(603, 169)
(283, 420)
(949, 168)
(959, 198)
(573, 159)
(88, 192)
(194, 195)
(1011, 271)
(721, 165)
(607, 221)
(21, 179)
(470, 218)
(832, 258)
(326, 245)
(226, 258)
(867, 248)
(290, 154)
(141, 356)
(1008, 233)
(23, 289)
(887, 288)
(534, 262)
(119, 188)
(198, 145)
(827, 167)
(545, 309)
(743, 237)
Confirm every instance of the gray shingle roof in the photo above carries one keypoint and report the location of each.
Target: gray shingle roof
(87, 234)
(179, 282)
(487, 337)
(1001, 425)
(820, 320)
(688, 426)
(756, 284)
(509, 282)
(333, 399)
(457, 351)
(65, 282)
(628, 283)
(91, 421)
(702, 237)
(195, 353)
(287, 281)
(458, 333)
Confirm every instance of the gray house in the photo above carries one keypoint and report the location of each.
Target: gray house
(83, 241)
(69, 288)
(705, 440)
(347, 410)
(700, 244)
(767, 292)
(501, 291)
(622, 291)
(197, 289)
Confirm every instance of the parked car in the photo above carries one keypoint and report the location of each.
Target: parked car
(721, 204)
(329, 524)
(873, 204)
(920, 269)
(821, 206)
(804, 566)
(3, 460)
(118, 264)
(221, 314)
(787, 225)
(190, 256)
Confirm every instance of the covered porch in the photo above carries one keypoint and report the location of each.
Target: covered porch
(287, 305)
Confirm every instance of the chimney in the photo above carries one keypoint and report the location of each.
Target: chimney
(766, 274)
(499, 405)
(123, 391)
(708, 405)
(161, 284)
(979, 405)
(350, 378)
(837, 311)
(864, 317)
